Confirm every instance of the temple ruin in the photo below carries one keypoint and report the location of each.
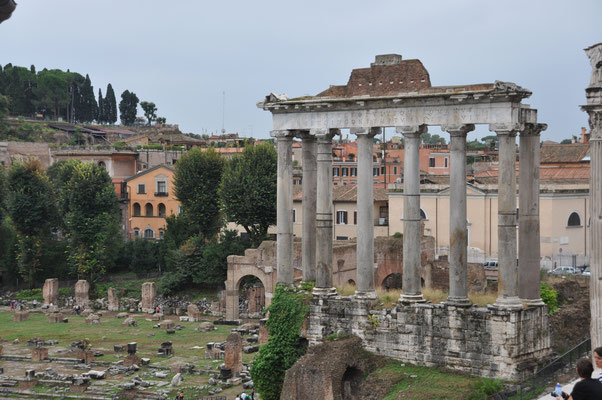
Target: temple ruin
(504, 340)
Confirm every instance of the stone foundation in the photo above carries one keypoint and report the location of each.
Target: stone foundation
(39, 354)
(55, 318)
(479, 341)
(19, 316)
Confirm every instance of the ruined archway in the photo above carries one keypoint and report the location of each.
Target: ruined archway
(251, 297)
(351, 383)
(392, 281)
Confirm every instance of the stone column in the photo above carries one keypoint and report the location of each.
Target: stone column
(594, 110)
(528, 216)
(458, 232)
(508, 268)
(324, 213)
(365, 213)
(412, 291)
(284, 216)
(308, 239)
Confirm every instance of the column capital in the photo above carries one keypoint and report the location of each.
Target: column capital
(323, 134)
(370, 132)
(504, 129)
(282, 134)
(458, 130)
(595, 123)
(533, 129)
(304, 135)
(412, 130)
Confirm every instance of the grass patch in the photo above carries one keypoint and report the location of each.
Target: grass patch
(346, 290)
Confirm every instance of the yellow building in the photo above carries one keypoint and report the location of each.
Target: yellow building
(151, 199)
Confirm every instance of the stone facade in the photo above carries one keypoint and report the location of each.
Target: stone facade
(82, 296)
(50, 291)
(495, 343)
(112, 299)
(149, 291)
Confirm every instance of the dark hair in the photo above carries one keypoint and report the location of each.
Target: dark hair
(598, 351)
(585, 368)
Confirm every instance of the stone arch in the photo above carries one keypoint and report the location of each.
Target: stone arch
(392, 281)
(137, 212)
(351, 383)
(574, 219)
(148, 210)
(255, 294)
(238, 268)
(161, 210)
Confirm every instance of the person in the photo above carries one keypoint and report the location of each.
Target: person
(237, 398)
(12, 305)
(598, 360)
(587, 388)
(35, 303)
(157, 310)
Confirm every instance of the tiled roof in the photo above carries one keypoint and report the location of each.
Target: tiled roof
(343, 193)
(581, 172)
(563, 153)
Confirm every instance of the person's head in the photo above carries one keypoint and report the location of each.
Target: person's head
(598, 356)
(584, 368)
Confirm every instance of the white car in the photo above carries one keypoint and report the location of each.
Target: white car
(564, 270)
(586, 271)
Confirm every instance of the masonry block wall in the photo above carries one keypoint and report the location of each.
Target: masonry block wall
(486, 342)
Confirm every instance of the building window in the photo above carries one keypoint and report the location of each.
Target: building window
(335, 172)
(294, 215)
(395, 170)
(375, 171)
(432, 162)
(161, 210)
(136, 233)
(162, 188)
(445, 162)
(141, 188)
(422, 214)
(341, 217)
(149, 233)
(382, 170)
(574, 219)
(353, 171)
(344, 171)
(161, 233)
(148, 210)
(355, 218)
(136, 210)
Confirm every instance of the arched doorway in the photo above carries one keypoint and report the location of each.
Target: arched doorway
(351, 384)
(392, 281)
(251, 295)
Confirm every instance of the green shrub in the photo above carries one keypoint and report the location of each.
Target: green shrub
(308, 286)
(397, 235)
(485, 388)
(284, 347)
(30, 294)
(550, 297)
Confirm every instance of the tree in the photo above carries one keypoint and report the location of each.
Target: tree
(248, 190)
(19, 84)
(91, 219)
(427, 138)
(52, 91)
(31, 207)
(150, 111)
(86, 109)
(128, 107)
(100, 116)
(110, 105)
(566, 141)
(3, 108)
(196, 182)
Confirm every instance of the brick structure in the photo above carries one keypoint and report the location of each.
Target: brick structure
(19, 316)
(39, 354)
(233, 356)
(55, 318)
(149, 291)
(50, 291)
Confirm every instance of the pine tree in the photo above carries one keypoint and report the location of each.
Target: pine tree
(128, 107)
(110, 105)
(100, 118)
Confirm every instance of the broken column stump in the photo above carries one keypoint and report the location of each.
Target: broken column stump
(50, 291)
(233, 355)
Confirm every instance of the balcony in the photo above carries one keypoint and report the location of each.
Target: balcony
(161, 194)
(381, 222)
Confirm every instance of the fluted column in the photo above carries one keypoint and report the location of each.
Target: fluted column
(529, 289)
(308, 239)
(284, 204)
(508, 268)
(458, 234)
(324, 213)
(365, 213)
(412, 290)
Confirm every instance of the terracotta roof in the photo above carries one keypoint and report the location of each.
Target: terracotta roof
(581, 172)
(345, 193)
(563, 153)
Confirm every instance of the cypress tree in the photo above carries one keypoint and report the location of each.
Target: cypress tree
(110, 105)
(100, 118)
(85, 103)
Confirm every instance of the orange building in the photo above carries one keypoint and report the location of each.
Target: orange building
(151, 199)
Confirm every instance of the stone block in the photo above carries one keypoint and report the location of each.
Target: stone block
(263, 332)
(157, 317)
(233, 353)
(206, 326)
(129, 322)
(19, 316)
(194, 314)
(86, 355)
(149, 291)
(50, 291)
(82, 293)
(167, 324)
(39, 354)
(132, 359)
(112, 299)
(122, 315)
(92, 319)
(55, 318)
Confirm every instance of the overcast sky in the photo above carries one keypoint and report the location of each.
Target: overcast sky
(183, 54)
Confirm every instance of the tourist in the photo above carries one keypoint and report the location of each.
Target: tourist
(587, 388)
(157, 310)
(12, 305)
(35, 303)
(598, 360)
(237, 398)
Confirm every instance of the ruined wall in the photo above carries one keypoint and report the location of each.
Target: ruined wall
(478, 341)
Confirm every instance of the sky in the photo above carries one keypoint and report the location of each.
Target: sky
(183, 55)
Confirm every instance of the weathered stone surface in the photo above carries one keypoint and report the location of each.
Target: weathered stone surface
(194, 315)
(86, 355)
(149, 291)
(206, 326)
(233, 356)
(39, 354)
(157, 317)
(123, 315)
(132, 359)
(129, 322)
(92, 319)
(55, 318)
(82, 296)
(167, 324)
(50, 291)
(19, 316)
(176, 380)
(112, 299)
(263, 332)
(96, 374)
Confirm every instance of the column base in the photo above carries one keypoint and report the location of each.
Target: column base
(508, 303)
(324, 292)
(365, 294)
(533, 302)
(411, 298)
(458, 301)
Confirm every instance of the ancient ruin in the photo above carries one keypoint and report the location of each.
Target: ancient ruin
(504, 340)
(149, 291)
(112, 299)
(50, 291)
(82, 296)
